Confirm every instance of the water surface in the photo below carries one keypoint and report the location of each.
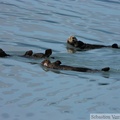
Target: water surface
(27, 91)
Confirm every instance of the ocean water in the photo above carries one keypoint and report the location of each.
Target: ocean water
(27, 91)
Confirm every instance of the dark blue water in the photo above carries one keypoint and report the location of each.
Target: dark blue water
(30, 93)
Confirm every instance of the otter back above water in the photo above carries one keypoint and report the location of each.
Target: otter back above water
(57, 65)
(73, 43)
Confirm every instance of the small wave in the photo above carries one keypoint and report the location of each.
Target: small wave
(110, 1)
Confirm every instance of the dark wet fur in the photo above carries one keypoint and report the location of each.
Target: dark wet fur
(81, 45)
(57, 65)
(3, 53)
(29, 53)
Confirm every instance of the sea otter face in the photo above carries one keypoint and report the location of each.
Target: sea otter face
(46, 63)
(72, 40)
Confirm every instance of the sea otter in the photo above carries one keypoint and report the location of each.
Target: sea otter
(30, 54)
(57, 65)
(72, 40)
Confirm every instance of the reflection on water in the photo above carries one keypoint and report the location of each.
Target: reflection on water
(30, 92)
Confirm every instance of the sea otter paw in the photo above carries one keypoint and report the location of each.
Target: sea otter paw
(106, 69)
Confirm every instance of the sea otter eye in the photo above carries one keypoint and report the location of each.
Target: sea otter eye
(72, 39)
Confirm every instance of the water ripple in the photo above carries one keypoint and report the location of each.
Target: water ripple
(111, 1)
(53, 94)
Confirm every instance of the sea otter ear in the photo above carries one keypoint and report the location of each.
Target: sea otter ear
(72, 39)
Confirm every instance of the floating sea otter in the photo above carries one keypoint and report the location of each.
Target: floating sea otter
(72, 40)
(57, 65)
(29, 53)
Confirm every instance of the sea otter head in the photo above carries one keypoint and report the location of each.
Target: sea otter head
(28, 53)
(46, 63)
(72, 40)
